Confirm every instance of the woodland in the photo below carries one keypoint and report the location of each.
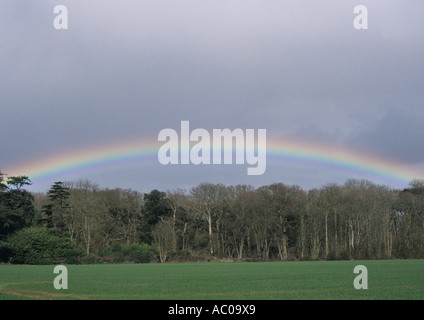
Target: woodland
(79, 222)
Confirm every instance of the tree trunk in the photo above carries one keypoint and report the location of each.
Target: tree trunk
(326, 234)
(209, 218)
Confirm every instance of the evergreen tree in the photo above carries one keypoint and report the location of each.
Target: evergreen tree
(56, 211)
(16, 205)
(155, 207)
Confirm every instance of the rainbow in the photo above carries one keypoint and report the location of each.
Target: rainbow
(279, 152)
(350, 162)
(76, 162)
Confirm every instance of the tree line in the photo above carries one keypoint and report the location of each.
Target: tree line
(356, 220)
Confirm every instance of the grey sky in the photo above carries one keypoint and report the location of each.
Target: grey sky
(128, 69)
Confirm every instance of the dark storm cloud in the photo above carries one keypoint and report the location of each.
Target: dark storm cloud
(127, 70)
(397, 136)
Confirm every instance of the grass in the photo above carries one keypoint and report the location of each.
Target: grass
(387, 279)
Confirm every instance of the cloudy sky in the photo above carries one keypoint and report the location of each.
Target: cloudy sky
(125, 70)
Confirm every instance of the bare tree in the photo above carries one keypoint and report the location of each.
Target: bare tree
(206, 199)
(163, 238)
(124, 206)
(89, 213)
(177, 200)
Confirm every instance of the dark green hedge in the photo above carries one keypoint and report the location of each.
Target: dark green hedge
(37, 245)
(135, 252)
(6, 252)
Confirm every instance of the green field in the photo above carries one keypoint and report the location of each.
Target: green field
(388, 279)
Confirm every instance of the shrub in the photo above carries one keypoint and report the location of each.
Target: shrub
(135, 252)
(37, 245)
(91, 259)
(344, 255)
(138, 252)
(331, 256)
(180, 255)
(6, 252)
